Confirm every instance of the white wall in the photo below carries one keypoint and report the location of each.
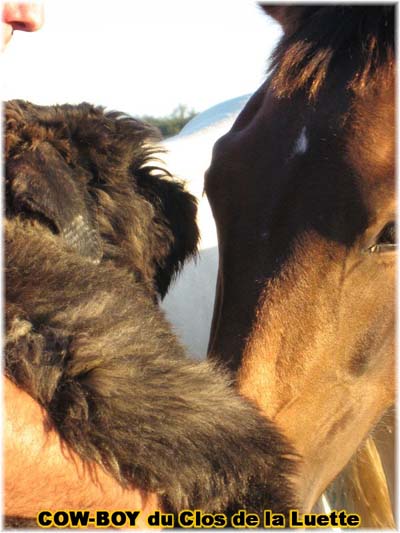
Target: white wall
(189, 302)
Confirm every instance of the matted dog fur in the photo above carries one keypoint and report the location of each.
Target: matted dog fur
(93, 235)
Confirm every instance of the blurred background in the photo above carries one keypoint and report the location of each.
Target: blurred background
(165, 59)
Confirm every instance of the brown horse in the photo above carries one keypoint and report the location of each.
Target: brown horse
(302, 190)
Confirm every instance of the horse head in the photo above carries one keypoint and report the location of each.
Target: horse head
(302, 190)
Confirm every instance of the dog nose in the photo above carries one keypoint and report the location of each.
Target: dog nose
(24, 16)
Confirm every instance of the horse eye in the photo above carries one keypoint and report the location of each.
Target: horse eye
(388, 234)
(385, 241)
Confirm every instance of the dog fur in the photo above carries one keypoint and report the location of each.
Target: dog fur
(94, 234)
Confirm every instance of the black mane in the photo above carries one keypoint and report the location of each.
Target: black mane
(319, 38)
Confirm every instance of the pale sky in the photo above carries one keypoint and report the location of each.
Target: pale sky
(141, 56)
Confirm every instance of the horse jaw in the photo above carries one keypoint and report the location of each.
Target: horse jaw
(315, 373)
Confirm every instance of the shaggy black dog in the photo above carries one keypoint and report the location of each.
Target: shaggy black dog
(93, 234)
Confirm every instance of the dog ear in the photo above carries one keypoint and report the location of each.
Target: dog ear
(39, 182)
(177, 209)
(154, 240)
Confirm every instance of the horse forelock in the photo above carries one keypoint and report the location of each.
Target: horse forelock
(327, 40)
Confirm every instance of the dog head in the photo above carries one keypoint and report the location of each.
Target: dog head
(92, 177)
